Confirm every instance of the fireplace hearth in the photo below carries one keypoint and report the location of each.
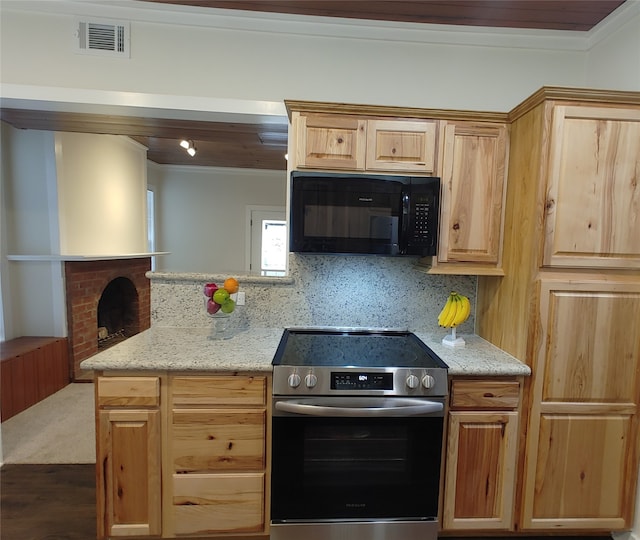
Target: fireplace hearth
(108, 301)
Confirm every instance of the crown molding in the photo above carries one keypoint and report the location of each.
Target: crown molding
(305, 25)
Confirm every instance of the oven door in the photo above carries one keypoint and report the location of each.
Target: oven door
(374, 464)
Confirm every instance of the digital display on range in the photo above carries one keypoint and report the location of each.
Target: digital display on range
(361, 381)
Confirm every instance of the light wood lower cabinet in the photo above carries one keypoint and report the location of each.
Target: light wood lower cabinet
(583, 445)
(182, 456)
(480, 466)
(128, 489)
(218, 455)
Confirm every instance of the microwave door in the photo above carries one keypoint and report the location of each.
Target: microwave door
(346, 216)
(385, 228)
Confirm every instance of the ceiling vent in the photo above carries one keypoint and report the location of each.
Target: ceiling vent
(104, 37)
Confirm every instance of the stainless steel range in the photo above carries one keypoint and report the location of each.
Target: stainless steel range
(358, 420)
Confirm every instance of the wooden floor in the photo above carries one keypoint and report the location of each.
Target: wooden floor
(57, 502)
(47, 502)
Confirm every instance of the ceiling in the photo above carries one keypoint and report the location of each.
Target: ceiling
(258, 146)
(578, 15)
(218, 144)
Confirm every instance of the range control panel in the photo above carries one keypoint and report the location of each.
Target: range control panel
(363, 380)
(297, 381)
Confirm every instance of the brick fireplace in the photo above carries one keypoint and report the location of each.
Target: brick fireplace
(108, 300)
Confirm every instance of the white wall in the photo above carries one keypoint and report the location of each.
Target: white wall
(102, 194)
(201, 214)
(30, 290)
(29, 187)
(257, 57)
(614, 55)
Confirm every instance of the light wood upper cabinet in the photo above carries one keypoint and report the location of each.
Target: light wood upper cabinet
(480, 466)
(401, 145)
(128, 490)
(349, 142)
(473, 192)
(593, 192)
(329, 141)
(582, 447)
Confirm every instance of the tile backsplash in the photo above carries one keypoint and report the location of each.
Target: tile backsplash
(321, 290)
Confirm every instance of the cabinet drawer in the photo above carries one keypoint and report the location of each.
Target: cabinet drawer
(218, 440)
(485, 394)
(219, 391)
(210, 503)
(128, 391)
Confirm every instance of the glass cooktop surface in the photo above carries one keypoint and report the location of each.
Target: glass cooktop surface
(354, 348)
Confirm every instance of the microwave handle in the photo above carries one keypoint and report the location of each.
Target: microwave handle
(406, 207)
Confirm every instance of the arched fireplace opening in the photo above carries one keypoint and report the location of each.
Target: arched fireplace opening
(85, 282)
(117, 312)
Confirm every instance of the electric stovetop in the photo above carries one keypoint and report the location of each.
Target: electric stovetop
(355, 361)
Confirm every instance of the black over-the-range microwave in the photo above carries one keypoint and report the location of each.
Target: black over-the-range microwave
(364, 213)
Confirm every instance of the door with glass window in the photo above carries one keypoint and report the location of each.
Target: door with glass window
(268, 242)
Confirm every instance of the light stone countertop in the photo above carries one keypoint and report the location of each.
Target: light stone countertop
(477, 358)
(164, 348)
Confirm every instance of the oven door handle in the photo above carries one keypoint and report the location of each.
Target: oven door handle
(361, 407)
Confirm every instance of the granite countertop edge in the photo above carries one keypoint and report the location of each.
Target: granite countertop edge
(163, 348)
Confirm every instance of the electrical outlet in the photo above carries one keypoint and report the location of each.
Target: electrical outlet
(240, 299)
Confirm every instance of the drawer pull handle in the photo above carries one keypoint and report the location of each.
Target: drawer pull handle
(488, 394)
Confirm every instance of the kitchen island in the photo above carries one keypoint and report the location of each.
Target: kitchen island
(183, 430)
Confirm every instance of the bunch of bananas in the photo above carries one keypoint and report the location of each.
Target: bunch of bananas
(455, 311)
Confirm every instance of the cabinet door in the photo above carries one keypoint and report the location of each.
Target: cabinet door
(582, 439)
(581, 462)
(401, 145)
(129, 479)
(480, 471)
(473, 193)
(329, 142)
(593, 191)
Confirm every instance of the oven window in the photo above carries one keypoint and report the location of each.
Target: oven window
(358, 454)
(351, 468)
